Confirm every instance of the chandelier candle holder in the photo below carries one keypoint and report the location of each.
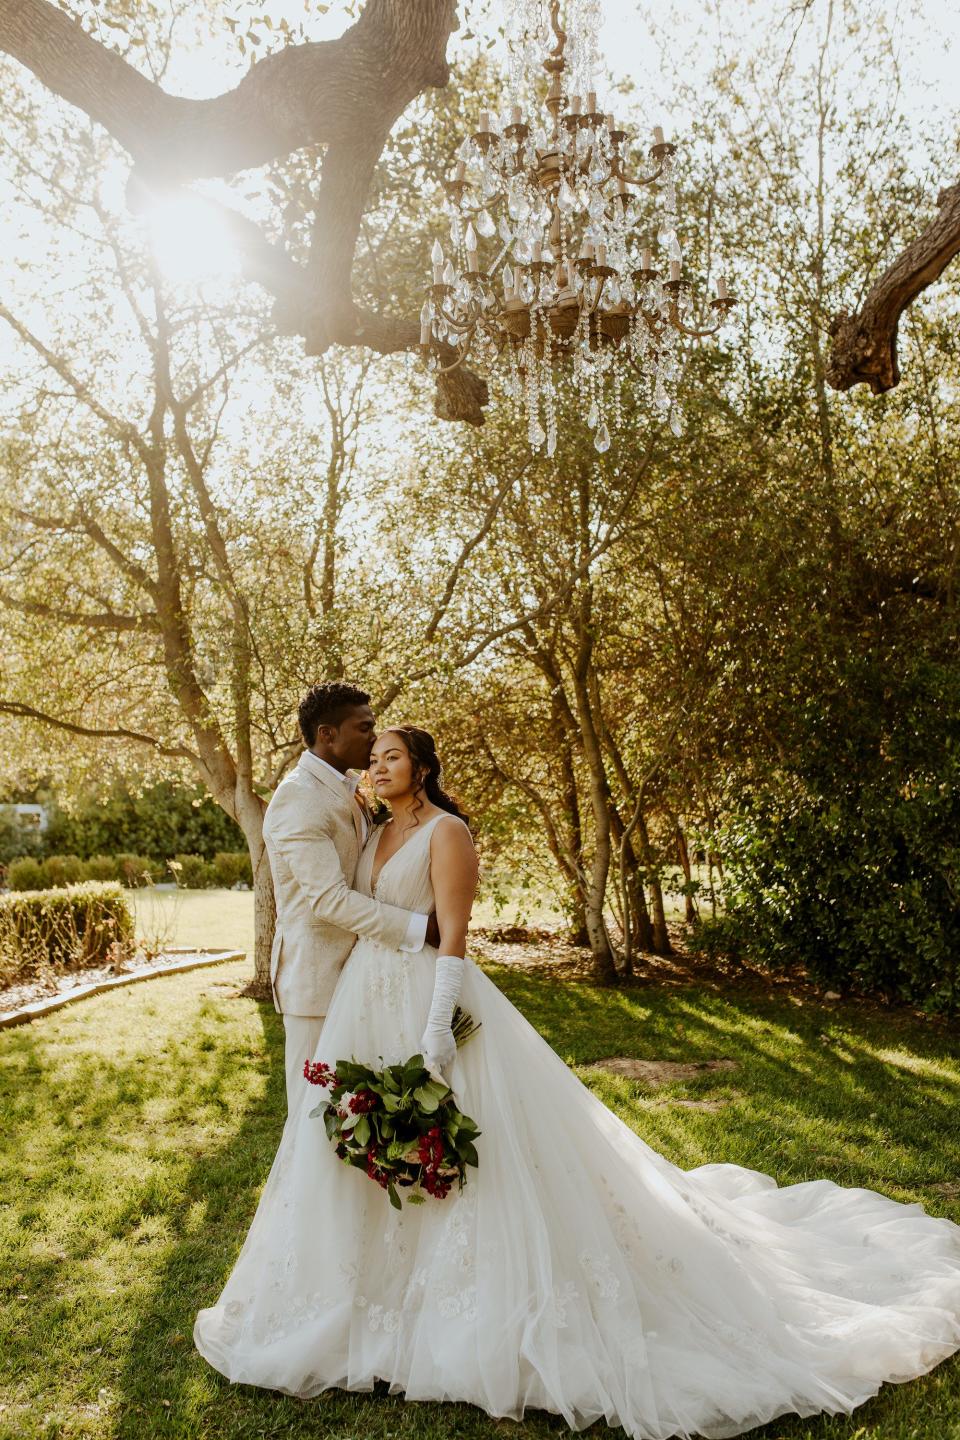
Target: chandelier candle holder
(570, 277)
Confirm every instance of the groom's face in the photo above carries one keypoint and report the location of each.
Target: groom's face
(352, 740)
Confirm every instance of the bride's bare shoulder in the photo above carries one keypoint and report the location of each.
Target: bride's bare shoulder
(452, 835)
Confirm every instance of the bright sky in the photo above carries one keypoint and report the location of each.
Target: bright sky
(641, 42)
(697, 31)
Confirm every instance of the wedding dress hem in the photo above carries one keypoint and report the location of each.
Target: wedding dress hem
(578, 1272)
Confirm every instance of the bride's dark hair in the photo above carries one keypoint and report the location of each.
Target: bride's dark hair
(423, 755)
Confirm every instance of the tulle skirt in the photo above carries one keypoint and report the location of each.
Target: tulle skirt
(577, 1271)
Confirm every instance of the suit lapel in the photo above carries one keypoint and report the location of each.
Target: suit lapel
(357, 819)
(332, 782)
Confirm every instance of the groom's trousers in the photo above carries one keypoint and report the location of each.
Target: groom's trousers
(303, 1034)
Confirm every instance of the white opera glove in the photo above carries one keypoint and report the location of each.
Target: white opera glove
(438, 1047)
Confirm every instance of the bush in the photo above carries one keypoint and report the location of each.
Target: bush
(71, 928)
(850, 865)
(157, 821)
(98, 867)
(67, 870)
(26, 874)
(192, 872)
(137, 870)
(233, 868)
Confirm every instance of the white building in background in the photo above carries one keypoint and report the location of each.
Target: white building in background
(30, 817)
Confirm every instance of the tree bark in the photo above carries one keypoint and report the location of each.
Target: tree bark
(864, 348)
(661, 935)
(683, 855)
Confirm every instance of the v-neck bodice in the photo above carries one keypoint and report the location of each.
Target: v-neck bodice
(404, 877)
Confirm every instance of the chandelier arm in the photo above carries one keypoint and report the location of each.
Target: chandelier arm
(446, 369)
(678, 324)
(643, 179)
(452, 319)
(557, 52)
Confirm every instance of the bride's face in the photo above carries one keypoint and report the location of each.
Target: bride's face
(391, 768)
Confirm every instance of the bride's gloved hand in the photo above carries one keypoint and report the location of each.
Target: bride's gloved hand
(438, 1046)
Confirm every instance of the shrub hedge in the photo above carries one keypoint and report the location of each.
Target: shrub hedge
(192, 872)
(847, 862)
(71, 928)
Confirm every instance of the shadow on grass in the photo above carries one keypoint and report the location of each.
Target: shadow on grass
(166, 1386)
(171, 1147)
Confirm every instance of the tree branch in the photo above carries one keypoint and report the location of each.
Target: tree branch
(27, 712)
(108, 620)
(864, 348)
(345, 93)
(315, 93)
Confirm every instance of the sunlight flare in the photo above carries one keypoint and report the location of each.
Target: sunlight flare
(190, 238)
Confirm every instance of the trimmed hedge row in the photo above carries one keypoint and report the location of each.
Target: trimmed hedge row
(190, 871)
(71, 928)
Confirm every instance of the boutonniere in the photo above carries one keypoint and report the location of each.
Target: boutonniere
(377, 809)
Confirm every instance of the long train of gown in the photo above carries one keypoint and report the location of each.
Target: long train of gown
(577, 1271)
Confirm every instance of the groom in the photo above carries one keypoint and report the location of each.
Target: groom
(314, 830)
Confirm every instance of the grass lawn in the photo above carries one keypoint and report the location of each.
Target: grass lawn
(223, 919)
(140, 1125)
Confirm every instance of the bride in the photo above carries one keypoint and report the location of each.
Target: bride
(577, 1271)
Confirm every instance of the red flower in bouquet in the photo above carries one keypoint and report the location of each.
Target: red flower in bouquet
(400, 1125)
(318, 1072)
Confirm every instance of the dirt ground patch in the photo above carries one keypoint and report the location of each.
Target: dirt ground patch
(662, 1072)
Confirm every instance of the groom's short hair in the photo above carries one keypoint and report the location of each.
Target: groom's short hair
(326, 705)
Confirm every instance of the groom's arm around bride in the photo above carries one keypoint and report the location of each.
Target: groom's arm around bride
(314, 830)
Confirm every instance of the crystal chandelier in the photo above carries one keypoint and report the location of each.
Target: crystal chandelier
(572, 280)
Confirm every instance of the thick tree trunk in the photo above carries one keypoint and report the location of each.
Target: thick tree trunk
(683, 854)
(638, 917)
(264, 923)
(250, 811)
(596, 887)
(661, 935)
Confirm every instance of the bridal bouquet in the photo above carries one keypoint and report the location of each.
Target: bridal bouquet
(398, 1124)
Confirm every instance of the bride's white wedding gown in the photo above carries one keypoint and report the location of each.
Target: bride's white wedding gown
(577, 1271)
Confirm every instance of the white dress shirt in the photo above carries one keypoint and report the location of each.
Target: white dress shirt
(416, 936)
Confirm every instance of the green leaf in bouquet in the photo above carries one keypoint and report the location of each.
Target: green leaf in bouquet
(394, 1197)
(427, 1102)
(320, 1109)
(414, 1072)
(391, 1102)
(350, 1073)
(416, 1199)
(361, 1131)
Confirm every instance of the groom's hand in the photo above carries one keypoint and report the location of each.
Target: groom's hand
(433, 929)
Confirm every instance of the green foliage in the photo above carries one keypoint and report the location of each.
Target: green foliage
(233, 869)
(137, 870)
(849, 862)
(159, 821)
(68, 870)
(16, 839)
(192, 872)
(99, 867)
(78, 926)
(26, 873)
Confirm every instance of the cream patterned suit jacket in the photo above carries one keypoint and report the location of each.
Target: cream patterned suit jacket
(313, 833)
